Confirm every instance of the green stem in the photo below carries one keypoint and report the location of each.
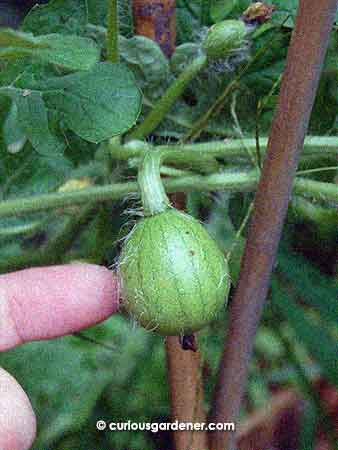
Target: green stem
(26, 228)
(200, 161)
(314, 146)
(200, 124)
(205, 12)
(240, 231)
(189, 8)
(313, 212)
(55, 250)
(173, 172)
(162, 107)
(238, 181)
(154, 198)
(242, 181)
(184, 123)
(316, 189)
(112, 32)
(260, 108)
(316, 170)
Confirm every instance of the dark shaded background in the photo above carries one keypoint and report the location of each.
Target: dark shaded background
(12, 11)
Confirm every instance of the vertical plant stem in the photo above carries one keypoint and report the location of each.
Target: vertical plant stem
(189, 8)
(200, 124)
(205, 12)
(299, 83)
(164, 104)
(113, 32)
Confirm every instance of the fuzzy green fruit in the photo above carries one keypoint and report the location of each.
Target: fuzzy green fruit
(174, 278)
(223, 38)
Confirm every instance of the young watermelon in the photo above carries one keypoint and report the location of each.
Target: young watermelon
(174, 278)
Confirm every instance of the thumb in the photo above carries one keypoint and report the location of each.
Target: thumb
(17, 419)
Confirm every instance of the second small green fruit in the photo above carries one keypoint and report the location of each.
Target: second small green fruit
(223, 38)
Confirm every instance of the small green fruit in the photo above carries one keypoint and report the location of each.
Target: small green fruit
(174, 278)
(223, 38)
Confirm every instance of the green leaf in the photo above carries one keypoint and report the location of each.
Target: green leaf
(68, 52)
(33, 119)
(220, 9)
(66, 16)
(14, 137)
(187, 26)
(309, 427)
(32, 114)
(99, 104)
(17, 39)
(314, 335)
(147, 61)
(183, 56)
(73, 16)
(315, 289)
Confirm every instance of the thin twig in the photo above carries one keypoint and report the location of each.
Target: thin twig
(260, 109)
(299, 83)
(240, 231)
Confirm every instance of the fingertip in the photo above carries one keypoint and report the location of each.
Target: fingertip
(17, 418)
(47, 302)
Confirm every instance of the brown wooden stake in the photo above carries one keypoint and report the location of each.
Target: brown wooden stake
(186, 394)
(299, 83)
(156, 20)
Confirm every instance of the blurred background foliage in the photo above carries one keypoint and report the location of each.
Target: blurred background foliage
(120, 374)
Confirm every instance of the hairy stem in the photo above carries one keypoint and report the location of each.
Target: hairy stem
(239, 181)
(205, 12)
(316, 189)
(164, 104)
(113, 32)
(154, 198)
(314, 146)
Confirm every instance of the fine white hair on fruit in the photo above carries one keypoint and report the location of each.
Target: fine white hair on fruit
(154, 328)
(223, 277)
(131, 196)
(133, 211)
(138, 320)
(163, 296)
